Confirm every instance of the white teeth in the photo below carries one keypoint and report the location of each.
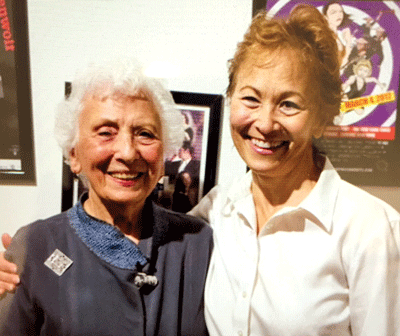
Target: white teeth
(125, 176)
(267, 144)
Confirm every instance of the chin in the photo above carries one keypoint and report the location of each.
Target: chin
(262, 169)
(266, 163)
(127, 198)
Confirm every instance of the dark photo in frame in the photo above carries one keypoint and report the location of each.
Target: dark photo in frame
(363, 141)
(16, 134)
(191, 172)
(201, 115)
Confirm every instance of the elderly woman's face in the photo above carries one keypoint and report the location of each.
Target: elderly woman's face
(274, 113)
(119, 150)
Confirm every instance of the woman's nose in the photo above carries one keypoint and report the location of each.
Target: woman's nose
(266, 120)
(126, 148)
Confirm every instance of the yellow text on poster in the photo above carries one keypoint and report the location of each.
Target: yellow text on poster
(361, 102)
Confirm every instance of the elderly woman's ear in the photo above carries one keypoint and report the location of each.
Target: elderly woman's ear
(74, 162)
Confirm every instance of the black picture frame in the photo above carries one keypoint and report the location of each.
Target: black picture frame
(212, 104)
(16, 131)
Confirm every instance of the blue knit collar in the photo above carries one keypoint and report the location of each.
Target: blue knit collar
(105, 240)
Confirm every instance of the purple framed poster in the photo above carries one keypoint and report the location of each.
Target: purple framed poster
(16, 137)
(363, 140)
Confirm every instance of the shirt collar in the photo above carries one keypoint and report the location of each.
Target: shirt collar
(239, 197)
(105, 240)
(240, 189)
(320, 203)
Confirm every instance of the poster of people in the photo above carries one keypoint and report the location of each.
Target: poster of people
(182, 185)
(363, 140)
(16, 137)
(10, 159)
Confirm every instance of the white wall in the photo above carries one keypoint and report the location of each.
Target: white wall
(195, 37)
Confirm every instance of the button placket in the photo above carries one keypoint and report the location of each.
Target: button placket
(247, 276)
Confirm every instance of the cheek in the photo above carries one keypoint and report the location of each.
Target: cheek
(240, 117)
(309, 132)
(153, 155)
(302, 129)
(93, 154)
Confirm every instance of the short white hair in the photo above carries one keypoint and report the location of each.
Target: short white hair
(122, 77)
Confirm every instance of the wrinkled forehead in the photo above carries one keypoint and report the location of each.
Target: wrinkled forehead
(120, 101)
(104, 91)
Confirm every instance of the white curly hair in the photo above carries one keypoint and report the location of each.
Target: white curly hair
(121, 77)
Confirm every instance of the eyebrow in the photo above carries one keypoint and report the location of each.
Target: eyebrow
(105, 122)
(250, 88)
(282, 94)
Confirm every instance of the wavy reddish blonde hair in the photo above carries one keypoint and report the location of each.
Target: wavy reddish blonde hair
(306, 31)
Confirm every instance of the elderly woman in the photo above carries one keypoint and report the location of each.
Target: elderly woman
(297, 250)
(115, 263)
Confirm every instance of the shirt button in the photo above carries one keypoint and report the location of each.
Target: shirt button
(240, 333)
(244, 294)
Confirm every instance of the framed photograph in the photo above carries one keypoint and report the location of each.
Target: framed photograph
(16, 135)
(191, 172)
(363, 141)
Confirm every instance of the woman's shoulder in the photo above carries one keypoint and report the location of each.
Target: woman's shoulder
(368, 223)
(360, 199)
(180, 222)
(44, 227)
(364, 214)
(36, 238)
(219, 197)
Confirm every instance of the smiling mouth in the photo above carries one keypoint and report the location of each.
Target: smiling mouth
(269, 144)
(126, 176)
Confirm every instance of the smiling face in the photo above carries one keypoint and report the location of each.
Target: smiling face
(274, 114)
(335, 15)
(119, 150)
(363, 71)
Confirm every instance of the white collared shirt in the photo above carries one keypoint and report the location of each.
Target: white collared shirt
(329, 266)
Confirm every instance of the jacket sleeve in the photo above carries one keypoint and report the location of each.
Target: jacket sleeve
(18, 312)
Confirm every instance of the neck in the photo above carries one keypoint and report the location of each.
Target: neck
(333, 27)
(126, 217)
(271, 194)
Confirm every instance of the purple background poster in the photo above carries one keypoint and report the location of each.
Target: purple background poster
(361, 141)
